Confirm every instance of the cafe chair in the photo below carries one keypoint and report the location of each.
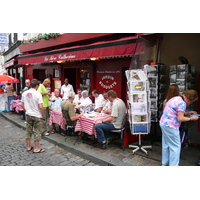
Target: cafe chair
(119, 133)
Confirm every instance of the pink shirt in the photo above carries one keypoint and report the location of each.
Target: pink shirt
(170, 113)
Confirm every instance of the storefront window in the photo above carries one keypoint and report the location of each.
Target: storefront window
(85, 79)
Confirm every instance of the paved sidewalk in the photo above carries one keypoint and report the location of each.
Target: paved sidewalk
(114, 155)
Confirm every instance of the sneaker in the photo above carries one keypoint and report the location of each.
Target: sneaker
(104, 144)
(47, 134)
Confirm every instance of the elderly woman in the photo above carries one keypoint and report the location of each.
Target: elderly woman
(86, 104)
(170, 121)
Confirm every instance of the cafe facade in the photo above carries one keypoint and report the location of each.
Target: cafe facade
(99, 60)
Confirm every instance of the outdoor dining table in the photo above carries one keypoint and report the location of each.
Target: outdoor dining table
(56, 117)
(86, 123)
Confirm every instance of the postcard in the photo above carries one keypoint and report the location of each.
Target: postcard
(140, 128)
(140, 108)
(137, 86)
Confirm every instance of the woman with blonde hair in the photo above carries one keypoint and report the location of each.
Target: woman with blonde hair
(170, 121)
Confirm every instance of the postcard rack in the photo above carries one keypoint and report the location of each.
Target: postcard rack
(183, 76)
(138, 105)
(157, 79)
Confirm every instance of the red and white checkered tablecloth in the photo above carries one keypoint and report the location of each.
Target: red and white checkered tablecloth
(57, 117)
(17, 104)
(13, 104)
(18, 107)
(86, 124)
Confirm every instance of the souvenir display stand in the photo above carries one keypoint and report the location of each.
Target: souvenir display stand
(157, 87)
(183, 76)
(138, 105)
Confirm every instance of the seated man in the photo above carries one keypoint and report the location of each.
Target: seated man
(114, 122)
(98, 98)
(55, 104)
(68, 110)
(105, 106)
(86, 104)
(78, 97)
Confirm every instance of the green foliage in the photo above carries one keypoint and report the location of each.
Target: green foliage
(45, 36)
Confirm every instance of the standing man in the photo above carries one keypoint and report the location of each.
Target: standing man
(45, 97)
(114, 122)
(32, 104)
(27, 85)
(65, 89)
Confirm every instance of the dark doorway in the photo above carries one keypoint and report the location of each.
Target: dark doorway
(71, 75)
(39, 74)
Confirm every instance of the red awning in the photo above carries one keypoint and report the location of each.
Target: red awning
(121, 47)
(8, 64)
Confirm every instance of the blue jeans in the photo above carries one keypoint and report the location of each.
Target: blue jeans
(171, 146)
(103, 130)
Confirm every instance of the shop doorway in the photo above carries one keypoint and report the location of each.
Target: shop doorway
(70, 73)
(39, 74)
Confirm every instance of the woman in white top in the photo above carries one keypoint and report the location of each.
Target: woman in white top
(86, 104)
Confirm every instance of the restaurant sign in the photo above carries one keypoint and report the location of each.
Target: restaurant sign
(107, 79)
(58, 57)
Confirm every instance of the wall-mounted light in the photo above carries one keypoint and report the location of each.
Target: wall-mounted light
(94, 59)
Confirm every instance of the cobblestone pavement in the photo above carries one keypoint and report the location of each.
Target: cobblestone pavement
(13, 150)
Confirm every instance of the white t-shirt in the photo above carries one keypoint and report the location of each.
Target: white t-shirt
(98, 101)
(65, 90)
(77, 100)
(31, 99)
(106, 104)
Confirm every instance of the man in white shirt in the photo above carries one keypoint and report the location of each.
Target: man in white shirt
(32, 103)
(98, 98)
(106, 105)
(65, 89)
(86, 104)
(78, 97)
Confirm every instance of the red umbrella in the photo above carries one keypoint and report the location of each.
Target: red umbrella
(8, 79)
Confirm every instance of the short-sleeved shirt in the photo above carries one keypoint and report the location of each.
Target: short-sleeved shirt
(118, 111)
(31, 99)
(170, 113)
(56, 104)
(67, 110)
(98, 101)
(43, 89)
(65, 90)
(106, 104)
(77, 99)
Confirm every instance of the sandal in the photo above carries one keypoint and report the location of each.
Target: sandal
(40, 151)
(30, 149)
